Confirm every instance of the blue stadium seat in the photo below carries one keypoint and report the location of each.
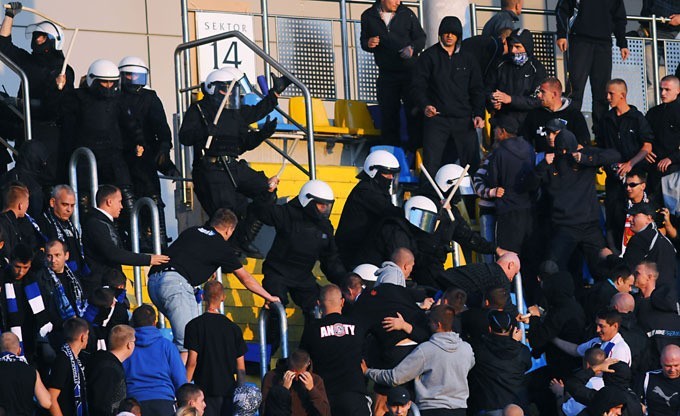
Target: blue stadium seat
(405, 174)
(283, 125)
(262, 83)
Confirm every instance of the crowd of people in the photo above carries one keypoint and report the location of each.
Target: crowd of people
(398, 330)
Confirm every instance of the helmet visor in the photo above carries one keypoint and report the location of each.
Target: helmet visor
(234, 91)
(133, 78)
(324, 208)
(425, 220)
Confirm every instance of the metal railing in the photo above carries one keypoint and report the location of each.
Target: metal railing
(653, 19)
(181, 88)
(82, 152)
(521, 305)
(283, 326)
(28, 132)
(134, 236)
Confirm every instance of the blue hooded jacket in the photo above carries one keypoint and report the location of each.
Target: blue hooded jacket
(155, 370)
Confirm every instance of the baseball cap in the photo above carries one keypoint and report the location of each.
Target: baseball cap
(500, 321)
(555, 124)
(642, 208)
(398, 396)
(505, 122)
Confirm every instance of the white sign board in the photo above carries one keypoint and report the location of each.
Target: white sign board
(225, 53)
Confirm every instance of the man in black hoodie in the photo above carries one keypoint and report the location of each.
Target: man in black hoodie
(589, 25)
(392, 33)
(499, 352)
(448, 88)
(511, 87)
(569, 177)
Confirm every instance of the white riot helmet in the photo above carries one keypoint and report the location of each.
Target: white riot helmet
(55, 36)
(222, 81)
(421, 212)
(380, 161)
(318, 192)
(103, 70)
(366, 271)
(448, 175)
(134, 73)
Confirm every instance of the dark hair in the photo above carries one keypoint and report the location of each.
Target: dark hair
(498, 297)
(639, 172)
(553, 82)
(101, 298)
(622, 271)
(352, 281)
(507, 4)
(212, 291)
(104, 192)
(74, 327)
(456, 298)
(186, 392)
(618, 81)
(144, 315)
(611, 316)
(223, 218)
(298, 360)
(129, 404)
(21, 253)
(594, 356)
(54, 242)
(112, 278)
(443, 314)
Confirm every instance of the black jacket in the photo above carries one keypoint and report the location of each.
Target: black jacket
(659, 317)
(452, 84)
(533, 128)
(475, 278)
(665, 122)
(17, 231)
(596, 20)
(639, 344)
(618, 381)
(505, 19)
(367, 204)
(571, 185)
(31, 170)
(597, 298)
(497, 379)
(649, 244)
(106, 386)
(404, 30)
(302, 239)
(626, 133)
(104, 250)
(511, 166)
(486, 50)
(564, 318)
(233, 136)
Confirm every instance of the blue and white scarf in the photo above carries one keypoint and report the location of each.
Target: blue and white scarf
(78, 372)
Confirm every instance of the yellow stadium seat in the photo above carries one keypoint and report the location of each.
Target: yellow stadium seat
(320, 118)
(355, 116)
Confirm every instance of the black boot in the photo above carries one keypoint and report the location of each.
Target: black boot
(161, 221)
(245, 234)
(125, 215)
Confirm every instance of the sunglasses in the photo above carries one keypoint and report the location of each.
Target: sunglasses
(632, 184)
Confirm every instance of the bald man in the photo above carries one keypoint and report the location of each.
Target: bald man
(661, 389)
(18, 381)
(513, 410)
(405, 259)
(633, 334)
(334, 343)
(625, 129)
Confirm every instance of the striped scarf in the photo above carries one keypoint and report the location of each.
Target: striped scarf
(15, 316)
(78, 372)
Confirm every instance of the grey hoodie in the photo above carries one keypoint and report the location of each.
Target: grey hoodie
(439, 368)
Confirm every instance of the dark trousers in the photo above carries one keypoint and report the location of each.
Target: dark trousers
(587, 238)
(446, 139)
(158, 407)
(393, 89)
(443, 412)
(592, 59)
(615, 212)
(349, 403)
(218, 405)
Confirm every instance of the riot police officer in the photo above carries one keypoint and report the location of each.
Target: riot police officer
(221, 180)
(147, 109)
(369, 202)
(42, 67)
(95, 117)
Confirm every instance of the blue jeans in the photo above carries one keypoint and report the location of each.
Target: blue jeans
(174, 297)
(487, 228)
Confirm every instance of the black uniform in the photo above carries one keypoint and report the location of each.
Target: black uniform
(395, 73)
(533, 129)
(42, 67)
(590, 46)
(368, 203)
(335, 343)
(627, 134)
(148, 110)
(453, 85)
(518, 81)
(104, 125)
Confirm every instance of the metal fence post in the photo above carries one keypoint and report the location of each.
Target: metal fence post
(521, 306)
(473, 19)
(344, 45)
(265, 37)
(283, 327)
(655, 59)
(83, 152)
(134, 236)
(28, 132)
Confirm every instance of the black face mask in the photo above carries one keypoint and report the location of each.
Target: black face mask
(383, 181)
(99, 91)
(44, 49)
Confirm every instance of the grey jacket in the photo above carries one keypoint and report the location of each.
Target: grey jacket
(439, 368)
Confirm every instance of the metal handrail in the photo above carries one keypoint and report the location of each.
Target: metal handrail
(521, 305)
(28, 132)
(83, 152)
(653, 19)
(134, 236)
(268, 59)
(283, 326)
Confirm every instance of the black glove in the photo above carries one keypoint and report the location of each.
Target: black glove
(280, 83)
(212, 129)
(13, 9)
(163, 155)
(268, 128)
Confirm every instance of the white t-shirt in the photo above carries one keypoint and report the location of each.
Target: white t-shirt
(620, 350)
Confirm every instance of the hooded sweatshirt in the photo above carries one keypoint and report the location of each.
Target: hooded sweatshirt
(450, 83)
(439, 368)
(155, 370)
(534, 130)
